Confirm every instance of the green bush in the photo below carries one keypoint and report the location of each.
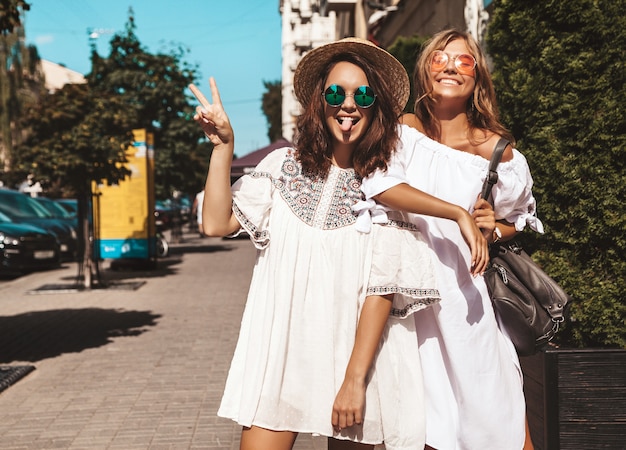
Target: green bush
(560, 74)
(407, 50)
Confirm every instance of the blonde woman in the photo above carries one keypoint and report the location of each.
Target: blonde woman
(472, 376)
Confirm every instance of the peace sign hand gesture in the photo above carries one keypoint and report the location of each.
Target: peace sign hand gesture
(212, 118)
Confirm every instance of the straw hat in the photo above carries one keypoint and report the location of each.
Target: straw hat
(316, 60)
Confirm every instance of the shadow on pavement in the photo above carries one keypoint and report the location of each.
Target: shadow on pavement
(119, 270)
(38, 335)
(106, 276)
(179, 249)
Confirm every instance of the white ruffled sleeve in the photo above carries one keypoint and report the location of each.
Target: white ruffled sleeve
(252, 198)
(512, 195)
(396, 172)
(381, 180)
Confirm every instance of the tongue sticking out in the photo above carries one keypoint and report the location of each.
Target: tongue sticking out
(346, 124)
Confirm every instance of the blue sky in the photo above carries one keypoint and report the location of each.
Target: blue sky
(237, 42)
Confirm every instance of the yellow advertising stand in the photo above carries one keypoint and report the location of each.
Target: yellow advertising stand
(124, 213)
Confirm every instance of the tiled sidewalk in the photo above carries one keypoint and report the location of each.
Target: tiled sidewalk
(125, 368)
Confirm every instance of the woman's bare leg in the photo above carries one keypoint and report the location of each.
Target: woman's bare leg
(528, 444)
(256, 438)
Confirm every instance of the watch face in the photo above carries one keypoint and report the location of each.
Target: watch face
(496, 236)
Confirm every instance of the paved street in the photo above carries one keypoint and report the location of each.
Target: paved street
(138, 365)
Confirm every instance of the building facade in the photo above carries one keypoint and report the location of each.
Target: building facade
(307, 24)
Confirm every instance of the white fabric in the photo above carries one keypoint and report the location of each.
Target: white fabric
(199, 202)
(472, 379)
(369, 212)
(402, 265)
(307, 290)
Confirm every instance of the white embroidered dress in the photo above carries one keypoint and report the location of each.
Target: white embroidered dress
(308, 285)
(472, 378)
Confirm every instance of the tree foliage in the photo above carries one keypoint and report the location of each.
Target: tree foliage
(81, 132)
(153, 88)
(10, 14)
(21, 84)
(74, 137)
(560, 76)
(272, 106)
(407, 50)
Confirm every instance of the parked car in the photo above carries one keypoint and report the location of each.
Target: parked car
(22, 208)
(69, 204)
(58, 212)
(185, 203)
(24, 247)
(165, 214)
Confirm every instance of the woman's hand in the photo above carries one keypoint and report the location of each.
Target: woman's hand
(217, 215)
(485, 218)
(349, 404)
(212, 118)
(477, 243)
(403, 197)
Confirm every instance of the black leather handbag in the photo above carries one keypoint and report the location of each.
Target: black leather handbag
(529, 304)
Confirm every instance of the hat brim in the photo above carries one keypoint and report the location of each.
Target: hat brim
(316, 60)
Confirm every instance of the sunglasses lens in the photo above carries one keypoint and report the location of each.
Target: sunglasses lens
(465, 64)
(334, 95)
(364, 97)
(439, 61)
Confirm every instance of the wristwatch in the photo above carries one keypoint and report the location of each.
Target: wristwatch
(496, 235)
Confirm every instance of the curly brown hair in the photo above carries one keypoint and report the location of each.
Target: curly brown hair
(482, 108)
(313, 140)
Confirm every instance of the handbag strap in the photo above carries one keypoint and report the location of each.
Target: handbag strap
(492, 176)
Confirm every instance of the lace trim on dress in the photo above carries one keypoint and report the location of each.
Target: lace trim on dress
(260, 238)
(369, 212)
(402, 225)
(340, 192)
(423, 298)
(325, 204)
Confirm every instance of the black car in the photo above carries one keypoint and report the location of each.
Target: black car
(24, 247)
(22, 208)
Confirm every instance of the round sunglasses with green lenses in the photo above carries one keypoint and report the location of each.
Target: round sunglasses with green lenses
(335, 95)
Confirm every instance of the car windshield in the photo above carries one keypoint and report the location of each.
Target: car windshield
(22, 206)
(54, 208)
(70, 205)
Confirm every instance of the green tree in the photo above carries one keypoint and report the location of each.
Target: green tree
(11, 14)
(153, 88)
(407, 50)
(272, 107)
(79, 133)
(21, 84)
(560, 72)
(75, 136)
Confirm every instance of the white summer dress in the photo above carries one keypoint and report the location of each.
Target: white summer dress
(472, 377)
(308, 285)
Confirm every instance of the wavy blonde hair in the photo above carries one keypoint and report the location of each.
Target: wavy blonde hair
(481, 108)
